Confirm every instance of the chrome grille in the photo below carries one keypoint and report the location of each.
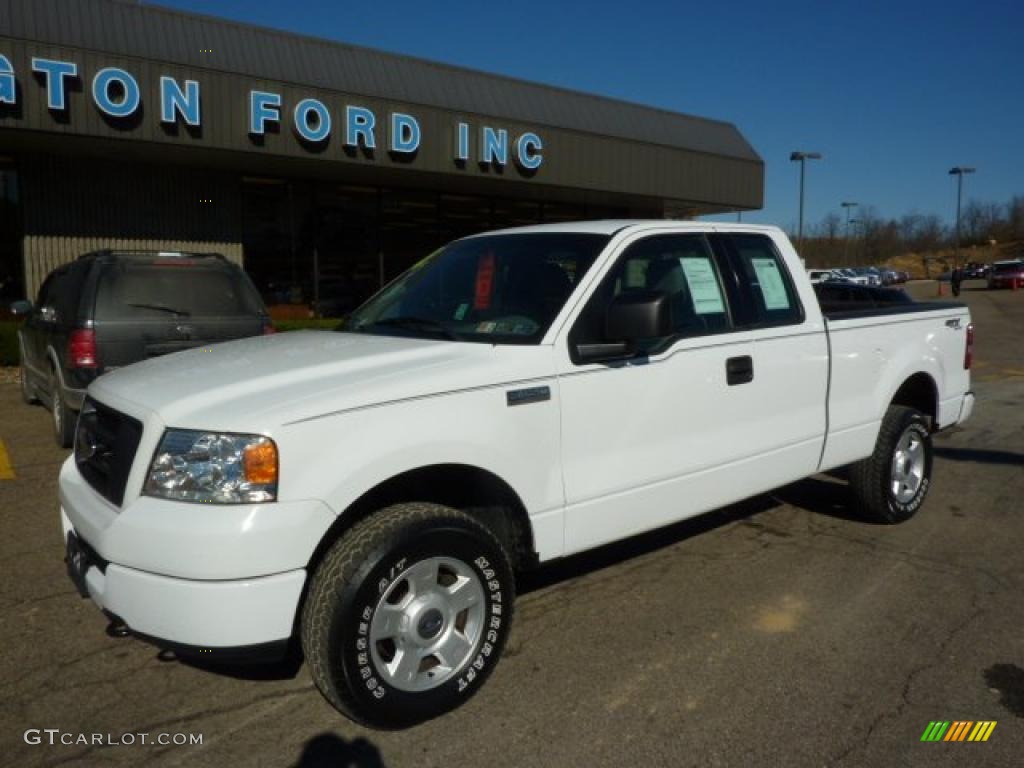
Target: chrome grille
(105, 445)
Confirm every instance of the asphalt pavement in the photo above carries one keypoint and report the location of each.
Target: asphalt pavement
(779, 631)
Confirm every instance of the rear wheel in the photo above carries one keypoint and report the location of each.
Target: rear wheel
(407, 614)
(63, 416)
(891, 485)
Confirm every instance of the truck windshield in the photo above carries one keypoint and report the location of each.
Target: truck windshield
(497, 289)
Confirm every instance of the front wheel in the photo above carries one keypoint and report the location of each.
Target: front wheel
(890, 485)
(407, 614)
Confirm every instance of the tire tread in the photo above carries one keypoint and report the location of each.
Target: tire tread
(867, 475)
(340, 565)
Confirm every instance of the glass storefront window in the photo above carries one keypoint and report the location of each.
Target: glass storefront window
(324, 248)
(11, 283)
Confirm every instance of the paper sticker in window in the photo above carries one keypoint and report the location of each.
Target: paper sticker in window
(636, 273)
(773, 289)
(700, 277)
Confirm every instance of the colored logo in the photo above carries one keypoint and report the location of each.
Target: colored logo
(958, 730)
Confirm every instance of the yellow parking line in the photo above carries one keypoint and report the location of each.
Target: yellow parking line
(6, 470)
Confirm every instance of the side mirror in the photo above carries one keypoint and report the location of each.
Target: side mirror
(638, 315)
(21, 308)
(631, 316)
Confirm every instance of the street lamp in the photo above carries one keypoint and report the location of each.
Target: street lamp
(846, 243)
(854, 223)
(958, 171)
(802, 157)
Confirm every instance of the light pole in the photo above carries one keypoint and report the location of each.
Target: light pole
(958, 171)
(802, 158)
(846, 243)
(854, 223)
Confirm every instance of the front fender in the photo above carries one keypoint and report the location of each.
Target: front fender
(339, 458)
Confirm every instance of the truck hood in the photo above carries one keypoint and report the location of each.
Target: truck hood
(260, 383)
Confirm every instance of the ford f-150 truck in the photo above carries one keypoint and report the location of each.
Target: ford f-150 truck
(513, 398)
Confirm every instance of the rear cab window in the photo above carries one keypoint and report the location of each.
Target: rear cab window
(766, 290)
(134, 288)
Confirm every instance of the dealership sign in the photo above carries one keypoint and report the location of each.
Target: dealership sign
(116, 93)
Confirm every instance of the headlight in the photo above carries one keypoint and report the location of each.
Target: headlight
(213, 467)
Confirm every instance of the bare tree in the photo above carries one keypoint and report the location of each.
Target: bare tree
(830, 226)
(874, 240)
(979, 221)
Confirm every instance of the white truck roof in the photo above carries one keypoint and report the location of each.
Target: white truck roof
(611, 226)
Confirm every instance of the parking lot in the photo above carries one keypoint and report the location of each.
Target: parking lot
(781, 631)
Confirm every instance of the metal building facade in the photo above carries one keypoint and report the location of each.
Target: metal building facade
(87, 177)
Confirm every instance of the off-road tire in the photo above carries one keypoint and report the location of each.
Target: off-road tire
(871, 480)
(345, 591)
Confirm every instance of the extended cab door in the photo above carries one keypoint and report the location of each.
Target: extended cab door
(730, 405)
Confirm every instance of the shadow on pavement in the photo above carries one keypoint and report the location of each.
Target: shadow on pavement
(980, 456)
(328, 750)
(823, 495)
(286, 668)
(626, 549)
(1008, 679)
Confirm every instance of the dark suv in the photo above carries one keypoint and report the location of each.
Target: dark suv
(108, 309)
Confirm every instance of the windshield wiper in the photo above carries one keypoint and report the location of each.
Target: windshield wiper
(414, 323)
(162, 308)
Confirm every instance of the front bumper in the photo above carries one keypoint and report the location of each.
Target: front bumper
(201, 614)
(210, 576)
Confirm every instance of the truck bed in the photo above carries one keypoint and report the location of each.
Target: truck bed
(842, 301)
(872, 349)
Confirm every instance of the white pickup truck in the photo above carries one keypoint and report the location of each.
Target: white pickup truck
(513, 398)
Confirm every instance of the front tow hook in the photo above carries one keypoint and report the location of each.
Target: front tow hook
(118, 629)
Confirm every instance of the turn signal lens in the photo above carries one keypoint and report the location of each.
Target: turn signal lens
(260, 463)
(969, 347)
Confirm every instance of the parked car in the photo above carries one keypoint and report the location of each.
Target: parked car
(854, 276)
(1006, 274)
(823, 275)
(872, 276)
(974, 270)
(514, 398)
(108, 309)
(888, 276)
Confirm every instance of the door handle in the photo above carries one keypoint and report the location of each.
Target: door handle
(739, 370)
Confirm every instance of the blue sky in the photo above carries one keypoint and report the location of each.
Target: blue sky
(892, 94)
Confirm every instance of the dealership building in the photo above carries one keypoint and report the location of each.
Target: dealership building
(133, 126)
